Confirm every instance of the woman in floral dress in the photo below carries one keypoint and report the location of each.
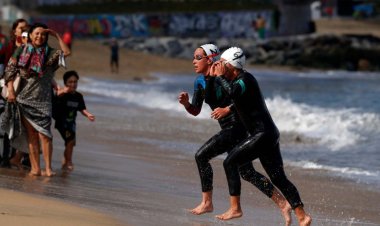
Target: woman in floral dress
(36, 64)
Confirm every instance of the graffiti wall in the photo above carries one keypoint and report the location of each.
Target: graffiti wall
(221, 24)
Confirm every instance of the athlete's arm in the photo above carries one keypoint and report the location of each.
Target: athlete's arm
(195, 106)
(235, 89)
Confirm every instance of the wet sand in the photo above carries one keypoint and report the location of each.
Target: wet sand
(167, 182)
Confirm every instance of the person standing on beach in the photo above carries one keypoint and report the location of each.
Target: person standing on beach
(263, 139)
(14, 42)
(232, 132)
(36, 64)
(67, 103)
(21, 158)
(260, 26)
(114, 63)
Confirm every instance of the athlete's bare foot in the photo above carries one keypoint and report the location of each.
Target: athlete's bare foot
(286, 212)
(283, 204)
(230, 214)
(303, 218)
(203, 207)
(306, 221)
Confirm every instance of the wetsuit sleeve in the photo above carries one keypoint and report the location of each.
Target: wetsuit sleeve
(234, 89)
(198, 97)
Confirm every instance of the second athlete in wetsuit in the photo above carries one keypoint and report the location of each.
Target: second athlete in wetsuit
(232, 132)
(263, 139)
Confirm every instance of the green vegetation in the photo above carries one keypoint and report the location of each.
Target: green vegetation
(161, 6)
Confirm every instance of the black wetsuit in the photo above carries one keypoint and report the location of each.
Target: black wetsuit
(263, 139)
(232, 133)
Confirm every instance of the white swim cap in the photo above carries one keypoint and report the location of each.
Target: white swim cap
(211, 51)
(235, 56)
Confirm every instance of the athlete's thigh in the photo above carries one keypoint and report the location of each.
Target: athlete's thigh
(216, 145)
(247, 150)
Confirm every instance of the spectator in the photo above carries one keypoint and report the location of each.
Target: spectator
(114, 47)
(34, 99)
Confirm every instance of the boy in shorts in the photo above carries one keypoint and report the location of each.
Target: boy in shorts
(65, 106)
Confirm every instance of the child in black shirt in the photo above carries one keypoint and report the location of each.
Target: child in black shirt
(65, 107)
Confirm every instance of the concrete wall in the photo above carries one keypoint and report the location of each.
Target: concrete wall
(295, 16)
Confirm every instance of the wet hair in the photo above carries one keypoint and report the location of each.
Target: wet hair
(68, 74)
(37, 25)
(14, 26)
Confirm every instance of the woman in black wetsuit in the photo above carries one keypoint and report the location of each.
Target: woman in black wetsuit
(232, 132)
(263, 139)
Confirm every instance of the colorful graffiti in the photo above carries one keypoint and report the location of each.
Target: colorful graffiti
(222, 24)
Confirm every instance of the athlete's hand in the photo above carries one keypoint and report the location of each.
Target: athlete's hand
(212, 69)
(219, 113)
(183, 99)
(218, 68)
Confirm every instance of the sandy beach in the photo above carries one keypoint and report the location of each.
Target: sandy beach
(18, 208)
(91, 58)
(128, 170)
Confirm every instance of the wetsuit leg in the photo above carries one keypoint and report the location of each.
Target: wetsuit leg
(243, 153)
(216, 145)
(248, 173)
(273, 165)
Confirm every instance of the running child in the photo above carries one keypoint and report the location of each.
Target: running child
(68, 101)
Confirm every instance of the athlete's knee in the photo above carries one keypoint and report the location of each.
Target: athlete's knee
(200, 156)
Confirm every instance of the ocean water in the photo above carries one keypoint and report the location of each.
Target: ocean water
(328, 120)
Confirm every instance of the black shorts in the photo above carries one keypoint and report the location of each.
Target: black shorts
(67, 135)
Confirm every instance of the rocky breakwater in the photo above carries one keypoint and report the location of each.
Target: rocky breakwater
(348, 52)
